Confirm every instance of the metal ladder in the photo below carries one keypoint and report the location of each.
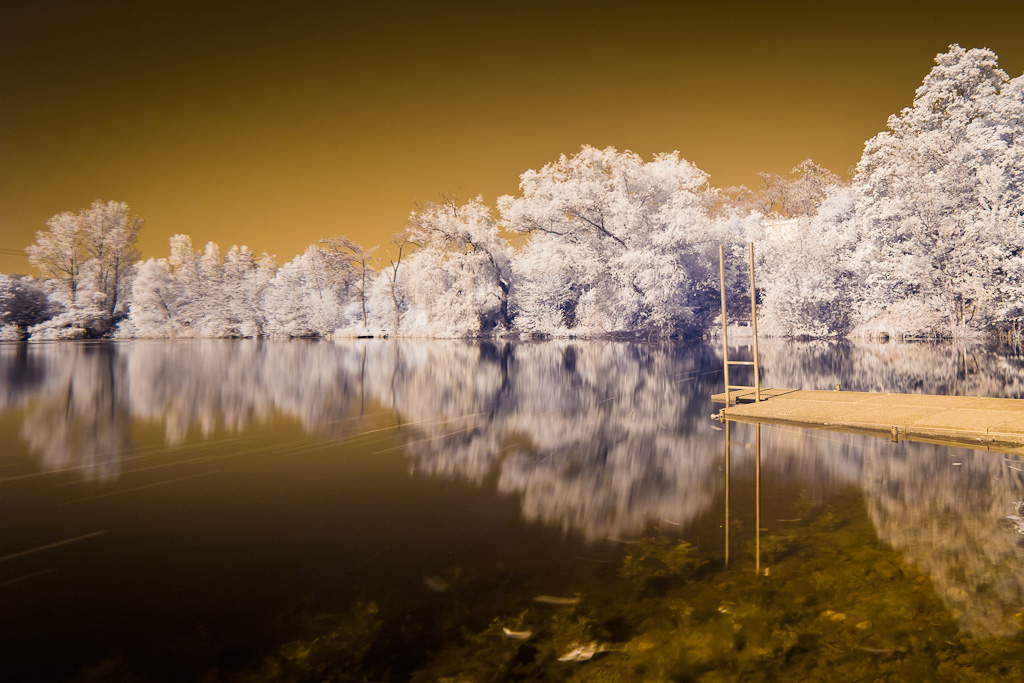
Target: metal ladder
(725, 330)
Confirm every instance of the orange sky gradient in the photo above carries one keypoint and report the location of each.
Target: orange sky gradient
(274, 125)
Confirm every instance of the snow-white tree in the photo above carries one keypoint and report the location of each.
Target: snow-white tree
(89, 259)
(285, 303)
(60, 253)
(302, 300)
(939, 198)
(465, 243)
(215, 298)
(350, 268)
(155, 310)
(183, 263)
(806, 273)
(210, 297)
(109, 233)
(546, 287)
(98, 241)
(245, 279)
(393, 283)
(636, 233)
(445, 296)
(1001, 198)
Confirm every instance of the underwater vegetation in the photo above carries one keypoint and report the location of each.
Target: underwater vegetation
(334, 655)
(830, 603)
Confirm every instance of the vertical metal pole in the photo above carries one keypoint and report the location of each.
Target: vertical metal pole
(725, 324)
(753, 326)
(728, 452)
(757, 500)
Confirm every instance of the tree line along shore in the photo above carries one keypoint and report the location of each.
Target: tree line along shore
(925, 240)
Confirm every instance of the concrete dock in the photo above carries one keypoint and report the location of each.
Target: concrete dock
(982, 423)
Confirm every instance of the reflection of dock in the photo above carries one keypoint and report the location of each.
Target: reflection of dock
(976, 422)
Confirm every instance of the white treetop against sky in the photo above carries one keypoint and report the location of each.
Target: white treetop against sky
(278, 124)
(928, 238)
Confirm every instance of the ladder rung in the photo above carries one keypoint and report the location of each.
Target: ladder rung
(740, 362)
(739, 386)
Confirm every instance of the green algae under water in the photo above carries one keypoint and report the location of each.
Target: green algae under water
(831, 603)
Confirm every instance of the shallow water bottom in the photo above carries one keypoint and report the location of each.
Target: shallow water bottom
(821, 599)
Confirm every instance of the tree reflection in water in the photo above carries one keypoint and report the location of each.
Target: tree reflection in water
(598, 439)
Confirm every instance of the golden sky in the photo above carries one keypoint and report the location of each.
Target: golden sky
(276, 124)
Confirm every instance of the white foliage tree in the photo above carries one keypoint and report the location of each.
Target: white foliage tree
(200, 295)
(806, 271)
(546, 293)
(60, 254)
(246, 277)
(939, 199)
(155, 311)
(110, 232)
(637, 235)
(89, 259)
(464, 246)
(96, 248)
(301, 301)
(349, 268)
(444, 296)
(212, 298)
(389, 300)
(184, 265)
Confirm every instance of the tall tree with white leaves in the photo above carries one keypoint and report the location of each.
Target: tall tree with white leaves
(637, 235)
(183, 263)
(401, 246)
(155, 311)
(246, 277)
(939, 198)
(806, 270)
(303, 299)
(466, 237)
(109, 233)
(60, 253)
(89, 257)
(351, 268)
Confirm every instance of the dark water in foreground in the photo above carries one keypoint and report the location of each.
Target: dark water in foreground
(251, 511)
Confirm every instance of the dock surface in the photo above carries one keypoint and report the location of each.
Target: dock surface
(970, 421)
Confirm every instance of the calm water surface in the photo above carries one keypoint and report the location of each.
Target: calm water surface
(426, 511)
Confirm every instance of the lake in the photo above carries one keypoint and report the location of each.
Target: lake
(429, 510)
